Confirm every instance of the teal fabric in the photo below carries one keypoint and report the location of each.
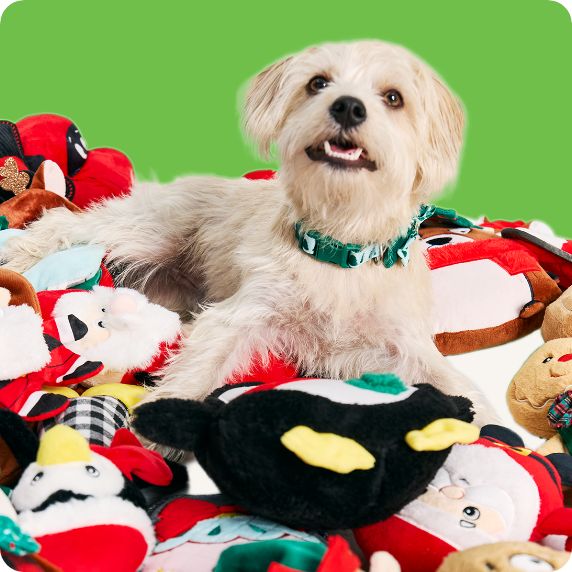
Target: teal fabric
(258, 556)
(63, 269)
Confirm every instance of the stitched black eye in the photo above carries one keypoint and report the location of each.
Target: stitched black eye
(316, 84)
(37, 477)
(103, 309)
(546, 360)
(393, 98)
(92, 471)
(472, 512)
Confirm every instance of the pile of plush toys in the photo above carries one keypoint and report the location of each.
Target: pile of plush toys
(315, 475)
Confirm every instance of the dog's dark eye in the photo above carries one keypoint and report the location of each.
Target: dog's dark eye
(316, 84)
(393, 98)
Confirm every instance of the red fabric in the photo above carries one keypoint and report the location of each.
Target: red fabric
(106, 172)
(48, 300)
(415, 549)
(106, 278)
(550, 262)
(505, 252)
(132, 459)
(261, 174)
(546, 479)
(277, 371)
(183, 513)
(500, 224)
(109, 547)
(339, 557)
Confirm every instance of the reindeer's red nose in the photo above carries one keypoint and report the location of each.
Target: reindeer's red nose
(565, 357)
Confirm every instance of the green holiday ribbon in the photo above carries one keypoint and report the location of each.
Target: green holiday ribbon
(351, 255)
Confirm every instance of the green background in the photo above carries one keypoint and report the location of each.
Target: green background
(160, 80)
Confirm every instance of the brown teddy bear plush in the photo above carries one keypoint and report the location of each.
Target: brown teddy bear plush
(545, 374)
(506, 557)
(558, 318)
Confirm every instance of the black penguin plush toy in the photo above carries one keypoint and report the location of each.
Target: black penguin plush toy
(316, 453)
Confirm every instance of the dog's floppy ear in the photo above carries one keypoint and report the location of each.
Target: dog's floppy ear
(178, 423)
(265, 105)
(439, 154)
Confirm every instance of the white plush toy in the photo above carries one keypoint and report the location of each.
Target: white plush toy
(22, 345)
(118, 327)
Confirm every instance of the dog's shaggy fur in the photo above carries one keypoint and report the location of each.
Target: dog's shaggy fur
(225, 249)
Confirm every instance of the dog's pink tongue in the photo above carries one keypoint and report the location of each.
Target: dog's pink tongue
(337, 149)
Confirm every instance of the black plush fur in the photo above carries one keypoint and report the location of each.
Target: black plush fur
(563, 464)
(238, 444)
(19, 437)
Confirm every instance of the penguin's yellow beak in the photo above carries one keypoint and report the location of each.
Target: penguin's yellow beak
(327, 450)
(441, 434)
(62, 444)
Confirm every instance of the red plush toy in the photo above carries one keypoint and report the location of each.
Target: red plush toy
(90, 175)
(492, 490)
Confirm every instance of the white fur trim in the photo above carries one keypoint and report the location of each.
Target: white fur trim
(73, 514)
(22, 346)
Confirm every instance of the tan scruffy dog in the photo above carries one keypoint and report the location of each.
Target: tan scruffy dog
(366, 133)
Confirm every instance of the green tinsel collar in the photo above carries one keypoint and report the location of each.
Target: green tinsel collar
(349, 255)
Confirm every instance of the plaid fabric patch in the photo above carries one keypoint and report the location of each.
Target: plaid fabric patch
(96, 418)
(560, 412)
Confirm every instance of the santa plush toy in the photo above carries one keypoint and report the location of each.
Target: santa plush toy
(490, 491)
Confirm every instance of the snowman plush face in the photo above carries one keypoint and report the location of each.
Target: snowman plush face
(476, 498)
(96, 477)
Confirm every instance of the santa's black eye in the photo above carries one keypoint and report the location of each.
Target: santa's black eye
(472, 512)
(92, 471)
(103, 309)
(393, 98)
(316, 84)
(37, 477)
(546, 360)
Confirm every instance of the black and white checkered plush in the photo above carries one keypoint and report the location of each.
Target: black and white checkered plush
(96, 418)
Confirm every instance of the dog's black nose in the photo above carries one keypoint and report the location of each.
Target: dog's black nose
(348, 111)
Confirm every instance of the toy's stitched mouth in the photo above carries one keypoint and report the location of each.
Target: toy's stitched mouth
(341, 153)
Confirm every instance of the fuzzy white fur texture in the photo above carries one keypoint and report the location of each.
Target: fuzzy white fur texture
(223, 251)
(131, 329)
(22, 346)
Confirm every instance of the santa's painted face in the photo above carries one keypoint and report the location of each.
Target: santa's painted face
(476, 498)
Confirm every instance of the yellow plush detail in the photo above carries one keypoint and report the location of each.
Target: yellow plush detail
(62, 444)
(327, 450)
(441, 434)
(129, 395)
(61, 390)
